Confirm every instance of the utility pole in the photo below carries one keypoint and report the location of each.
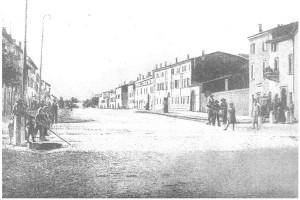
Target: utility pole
(25, 56)
(41, 62)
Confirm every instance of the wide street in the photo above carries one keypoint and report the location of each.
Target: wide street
(120, 153)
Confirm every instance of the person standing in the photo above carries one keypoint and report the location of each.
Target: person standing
(30, 129)
(216, 116)
(40, 118)
(281, 116)
(224, 110)
(210, 106)
(54, 110)
(255, 113)
(231, 116)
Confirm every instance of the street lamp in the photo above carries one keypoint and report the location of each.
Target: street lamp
(41, 63)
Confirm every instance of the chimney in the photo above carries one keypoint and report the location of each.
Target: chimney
(137, 78)
(278, 25)
(165, 63)
(160, 65)
(260, 28)
(188, 57)
(176, 60)
(143, 76)
(140, 75)
(124, 82)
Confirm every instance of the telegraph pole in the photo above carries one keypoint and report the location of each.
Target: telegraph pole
(25, 56)
(41, 62)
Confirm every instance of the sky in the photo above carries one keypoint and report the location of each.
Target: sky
(91, 46)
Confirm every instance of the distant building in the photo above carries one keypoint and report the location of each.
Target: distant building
(273, 64)
(32, 92)
(172, 86)
(12, 55)
(104, 100)
(131, 95)
(112, 99)
(223, 75)
(144, 92)
(122, 96)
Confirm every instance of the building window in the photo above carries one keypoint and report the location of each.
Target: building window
(264, 46)
(160, 100)
(162, 86)
(176, 83)
(172, 71)
(274, 47)
(276, 65)
(251, 72)
(157, 75)
(291, 66)
(157, 88)
(252, 48)
(178, 70)
(188, 82)
(183, 100)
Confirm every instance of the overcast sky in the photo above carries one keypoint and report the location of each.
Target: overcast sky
(92, 46)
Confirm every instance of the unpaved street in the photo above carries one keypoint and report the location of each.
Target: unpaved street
(120, 153)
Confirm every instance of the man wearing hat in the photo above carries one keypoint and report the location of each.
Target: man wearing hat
(40, 124)
(210, 106)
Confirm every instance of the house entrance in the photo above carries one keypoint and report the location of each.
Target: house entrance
(193, 101)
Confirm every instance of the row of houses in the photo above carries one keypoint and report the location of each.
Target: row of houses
(13, 77)
(268, 70)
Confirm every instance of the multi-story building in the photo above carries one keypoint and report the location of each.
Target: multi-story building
(172, 86)
(131, 95)
(104, 100)
(223, 75)
(122, 96)
(272, 64)
(144, 92)
(12, 72)
(112, 99)
(32, 92)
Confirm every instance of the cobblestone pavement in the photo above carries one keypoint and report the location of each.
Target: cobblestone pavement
(120, 153)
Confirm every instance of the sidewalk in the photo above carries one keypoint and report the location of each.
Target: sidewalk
(196, 116)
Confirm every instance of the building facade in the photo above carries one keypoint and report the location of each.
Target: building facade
(112, 99)
(223, 75)
(104, 100)
(131, 95)
(272, 62)
(172, 86)
(144, 92)
(12, 64)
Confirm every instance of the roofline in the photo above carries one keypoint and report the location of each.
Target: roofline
(145, 79)
(172, 65)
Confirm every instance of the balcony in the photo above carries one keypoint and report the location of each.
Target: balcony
(271, 74)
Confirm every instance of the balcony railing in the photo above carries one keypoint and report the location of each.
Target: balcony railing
(271, 74)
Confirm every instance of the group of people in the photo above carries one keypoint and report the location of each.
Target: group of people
(221, 111)
(44, 119)
(263, 108)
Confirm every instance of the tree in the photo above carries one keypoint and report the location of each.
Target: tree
(61, 103)
(11, 74)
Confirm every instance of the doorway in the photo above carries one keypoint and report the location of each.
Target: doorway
(284, 96)
(193, 101)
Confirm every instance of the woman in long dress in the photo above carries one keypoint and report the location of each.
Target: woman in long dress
(231, 119)
(255, 113)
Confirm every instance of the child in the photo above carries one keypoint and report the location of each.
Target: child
(231, 116)
(11, 129)
(30, 129)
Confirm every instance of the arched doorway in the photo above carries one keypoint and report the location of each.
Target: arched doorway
(284, 97)
(193, 101)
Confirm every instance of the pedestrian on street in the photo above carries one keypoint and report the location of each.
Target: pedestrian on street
(216, 110)
(280, 110)
(54, 110)
(255, 113)
(40, 123)
(11, 129)
(224, 110)
(210, 106)
(292, 108)
(30, 129)
(231, 116)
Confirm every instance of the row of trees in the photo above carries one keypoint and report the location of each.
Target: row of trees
(93, 102)
(69, 103)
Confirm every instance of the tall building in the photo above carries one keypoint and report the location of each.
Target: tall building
(144, 92)
(172, 86)
(131, 95)
(273, 62)
(112, 99)
(12, 71)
